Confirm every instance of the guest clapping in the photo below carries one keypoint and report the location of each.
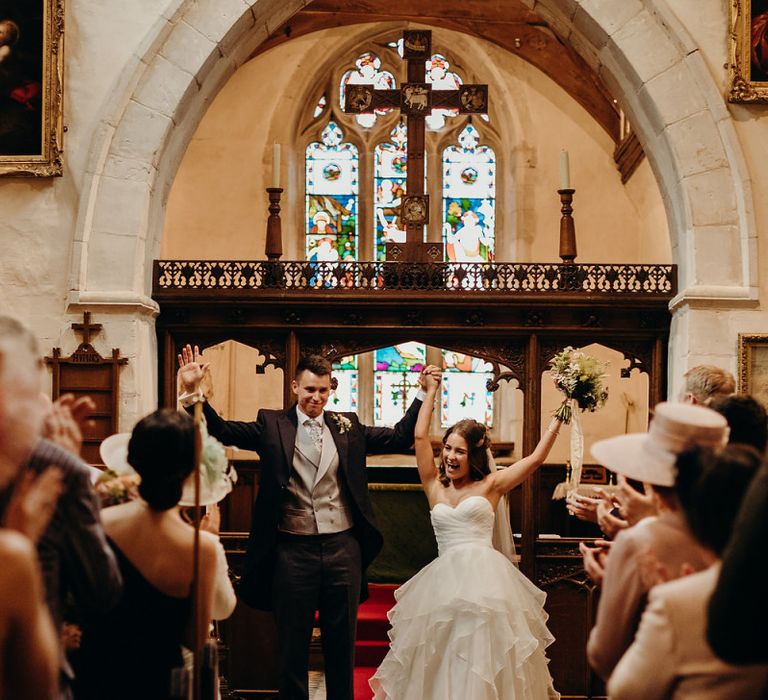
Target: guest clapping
(28, 642)
(670, 656)
(650, 458)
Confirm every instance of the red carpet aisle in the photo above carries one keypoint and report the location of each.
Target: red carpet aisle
(372, 640)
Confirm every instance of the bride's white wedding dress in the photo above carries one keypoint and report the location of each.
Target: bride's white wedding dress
(469, 625)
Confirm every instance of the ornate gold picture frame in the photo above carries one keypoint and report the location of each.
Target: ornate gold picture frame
(753, 366)
(31, 87)
(749, 51)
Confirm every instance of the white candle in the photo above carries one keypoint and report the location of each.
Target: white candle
(276, 165)
(565, 171)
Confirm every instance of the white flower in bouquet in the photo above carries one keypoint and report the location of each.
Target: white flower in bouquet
(580, 378)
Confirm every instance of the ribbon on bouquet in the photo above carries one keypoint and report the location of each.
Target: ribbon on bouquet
(577, 447)
(573, 478)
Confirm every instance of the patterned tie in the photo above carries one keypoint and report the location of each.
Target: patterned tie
(315, 432)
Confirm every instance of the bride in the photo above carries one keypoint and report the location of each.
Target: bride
(469, 625)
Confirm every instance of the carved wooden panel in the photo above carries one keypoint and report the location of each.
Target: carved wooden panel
(86, 373)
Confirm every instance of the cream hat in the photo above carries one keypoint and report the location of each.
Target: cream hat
(216, 476)
(651, 456)
(114, 453)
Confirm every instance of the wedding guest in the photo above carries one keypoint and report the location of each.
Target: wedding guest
(154, 548)
(469, 624)
(314, 532)
(738, 610)
(216, 480)
(746, 418)
(650, 458)
(705, 382)
(28, 641)
(670, 657)
(73, 552)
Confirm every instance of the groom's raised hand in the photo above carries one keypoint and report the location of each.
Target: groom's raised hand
(191, 369)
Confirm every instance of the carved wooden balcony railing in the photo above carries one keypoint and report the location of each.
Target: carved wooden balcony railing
(174, 276)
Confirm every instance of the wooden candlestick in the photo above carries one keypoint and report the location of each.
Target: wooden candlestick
(567, 228)
(274, 245)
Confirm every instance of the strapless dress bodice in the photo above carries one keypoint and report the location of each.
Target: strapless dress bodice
(469, 522)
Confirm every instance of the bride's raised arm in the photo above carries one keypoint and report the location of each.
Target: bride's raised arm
(505, 480)
(425, 460)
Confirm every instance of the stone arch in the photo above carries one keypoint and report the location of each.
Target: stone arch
(677, 110)
(196, 45)
(682, 121)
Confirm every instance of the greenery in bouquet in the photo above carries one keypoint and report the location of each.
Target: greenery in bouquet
(580, 378)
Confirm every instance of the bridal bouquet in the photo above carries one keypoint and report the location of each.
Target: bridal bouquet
(580, 378)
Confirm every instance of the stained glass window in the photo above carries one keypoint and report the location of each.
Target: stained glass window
(331, 204)
(367, 71)
(320, 106)
(344, 397)
(469, 199)
(396, 371)
(389, 186)
(441, 79)
(463, 392)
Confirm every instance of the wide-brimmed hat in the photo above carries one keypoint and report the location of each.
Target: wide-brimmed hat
(114, 453)
(651, 456)
(216, 476)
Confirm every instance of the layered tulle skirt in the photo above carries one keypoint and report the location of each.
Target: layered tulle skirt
(469, 626)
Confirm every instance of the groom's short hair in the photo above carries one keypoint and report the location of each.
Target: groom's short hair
(316, 364)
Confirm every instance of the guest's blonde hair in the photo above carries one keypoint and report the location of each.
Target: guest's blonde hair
(705, 382)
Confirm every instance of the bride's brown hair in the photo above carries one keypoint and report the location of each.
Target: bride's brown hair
(478, 441)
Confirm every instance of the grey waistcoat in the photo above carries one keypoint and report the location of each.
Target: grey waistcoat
(315, 501)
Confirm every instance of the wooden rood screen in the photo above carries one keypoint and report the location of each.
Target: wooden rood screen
(515, 316)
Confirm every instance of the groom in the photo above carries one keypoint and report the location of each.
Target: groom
(313, 532)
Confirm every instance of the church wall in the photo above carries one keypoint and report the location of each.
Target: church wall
(45, 220)
(707, 332)
(38, 226)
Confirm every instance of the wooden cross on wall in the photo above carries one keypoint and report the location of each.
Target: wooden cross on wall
(86, 328)
(415, 99)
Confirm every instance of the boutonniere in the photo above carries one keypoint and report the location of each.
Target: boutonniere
(342, 422)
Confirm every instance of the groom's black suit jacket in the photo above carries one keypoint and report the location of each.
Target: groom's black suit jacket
(273, 436)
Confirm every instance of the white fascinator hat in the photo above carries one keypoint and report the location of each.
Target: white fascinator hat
(216, 475)
(114, 453)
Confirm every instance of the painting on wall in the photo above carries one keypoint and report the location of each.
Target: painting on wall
(749, 51)
(31, 65)
(753, 366)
